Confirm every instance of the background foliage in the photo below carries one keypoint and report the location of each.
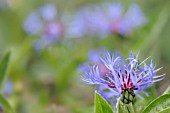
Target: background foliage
(48, 81)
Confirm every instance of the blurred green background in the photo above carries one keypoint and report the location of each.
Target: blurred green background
(48, 81)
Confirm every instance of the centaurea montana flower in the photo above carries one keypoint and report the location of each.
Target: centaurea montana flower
(125, 23)
(44, 23)
(122, 80)
(103, 20)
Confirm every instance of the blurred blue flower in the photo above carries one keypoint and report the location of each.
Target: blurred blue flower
(94, 56)
(122, 79)
(48, 12)
(44, 23)
(101, 21)
(76, 27)
(3, 5)
(114, 10)
(125, 23)
(88, 21)
(33, 24)
(8, 88)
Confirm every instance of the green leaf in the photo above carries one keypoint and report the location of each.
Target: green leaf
(101, 105)
(167, 91)
(152, 38)
(6, 106)
(166, 110)
(3, 68)
(124, 108)
(159, 104)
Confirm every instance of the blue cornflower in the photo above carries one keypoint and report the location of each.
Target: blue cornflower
(45, 23)
(122, 80)
(103, 20)
(125, 23)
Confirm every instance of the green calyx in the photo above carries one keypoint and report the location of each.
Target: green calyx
(128, 96)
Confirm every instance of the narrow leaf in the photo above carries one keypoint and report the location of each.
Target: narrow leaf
(3, 68)
(101, 105)
(165, 111)
(159, 104)
(5, 105)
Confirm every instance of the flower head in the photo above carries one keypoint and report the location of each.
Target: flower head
(122, 80)
(125, 23)
(44, 23)
(103, 20)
